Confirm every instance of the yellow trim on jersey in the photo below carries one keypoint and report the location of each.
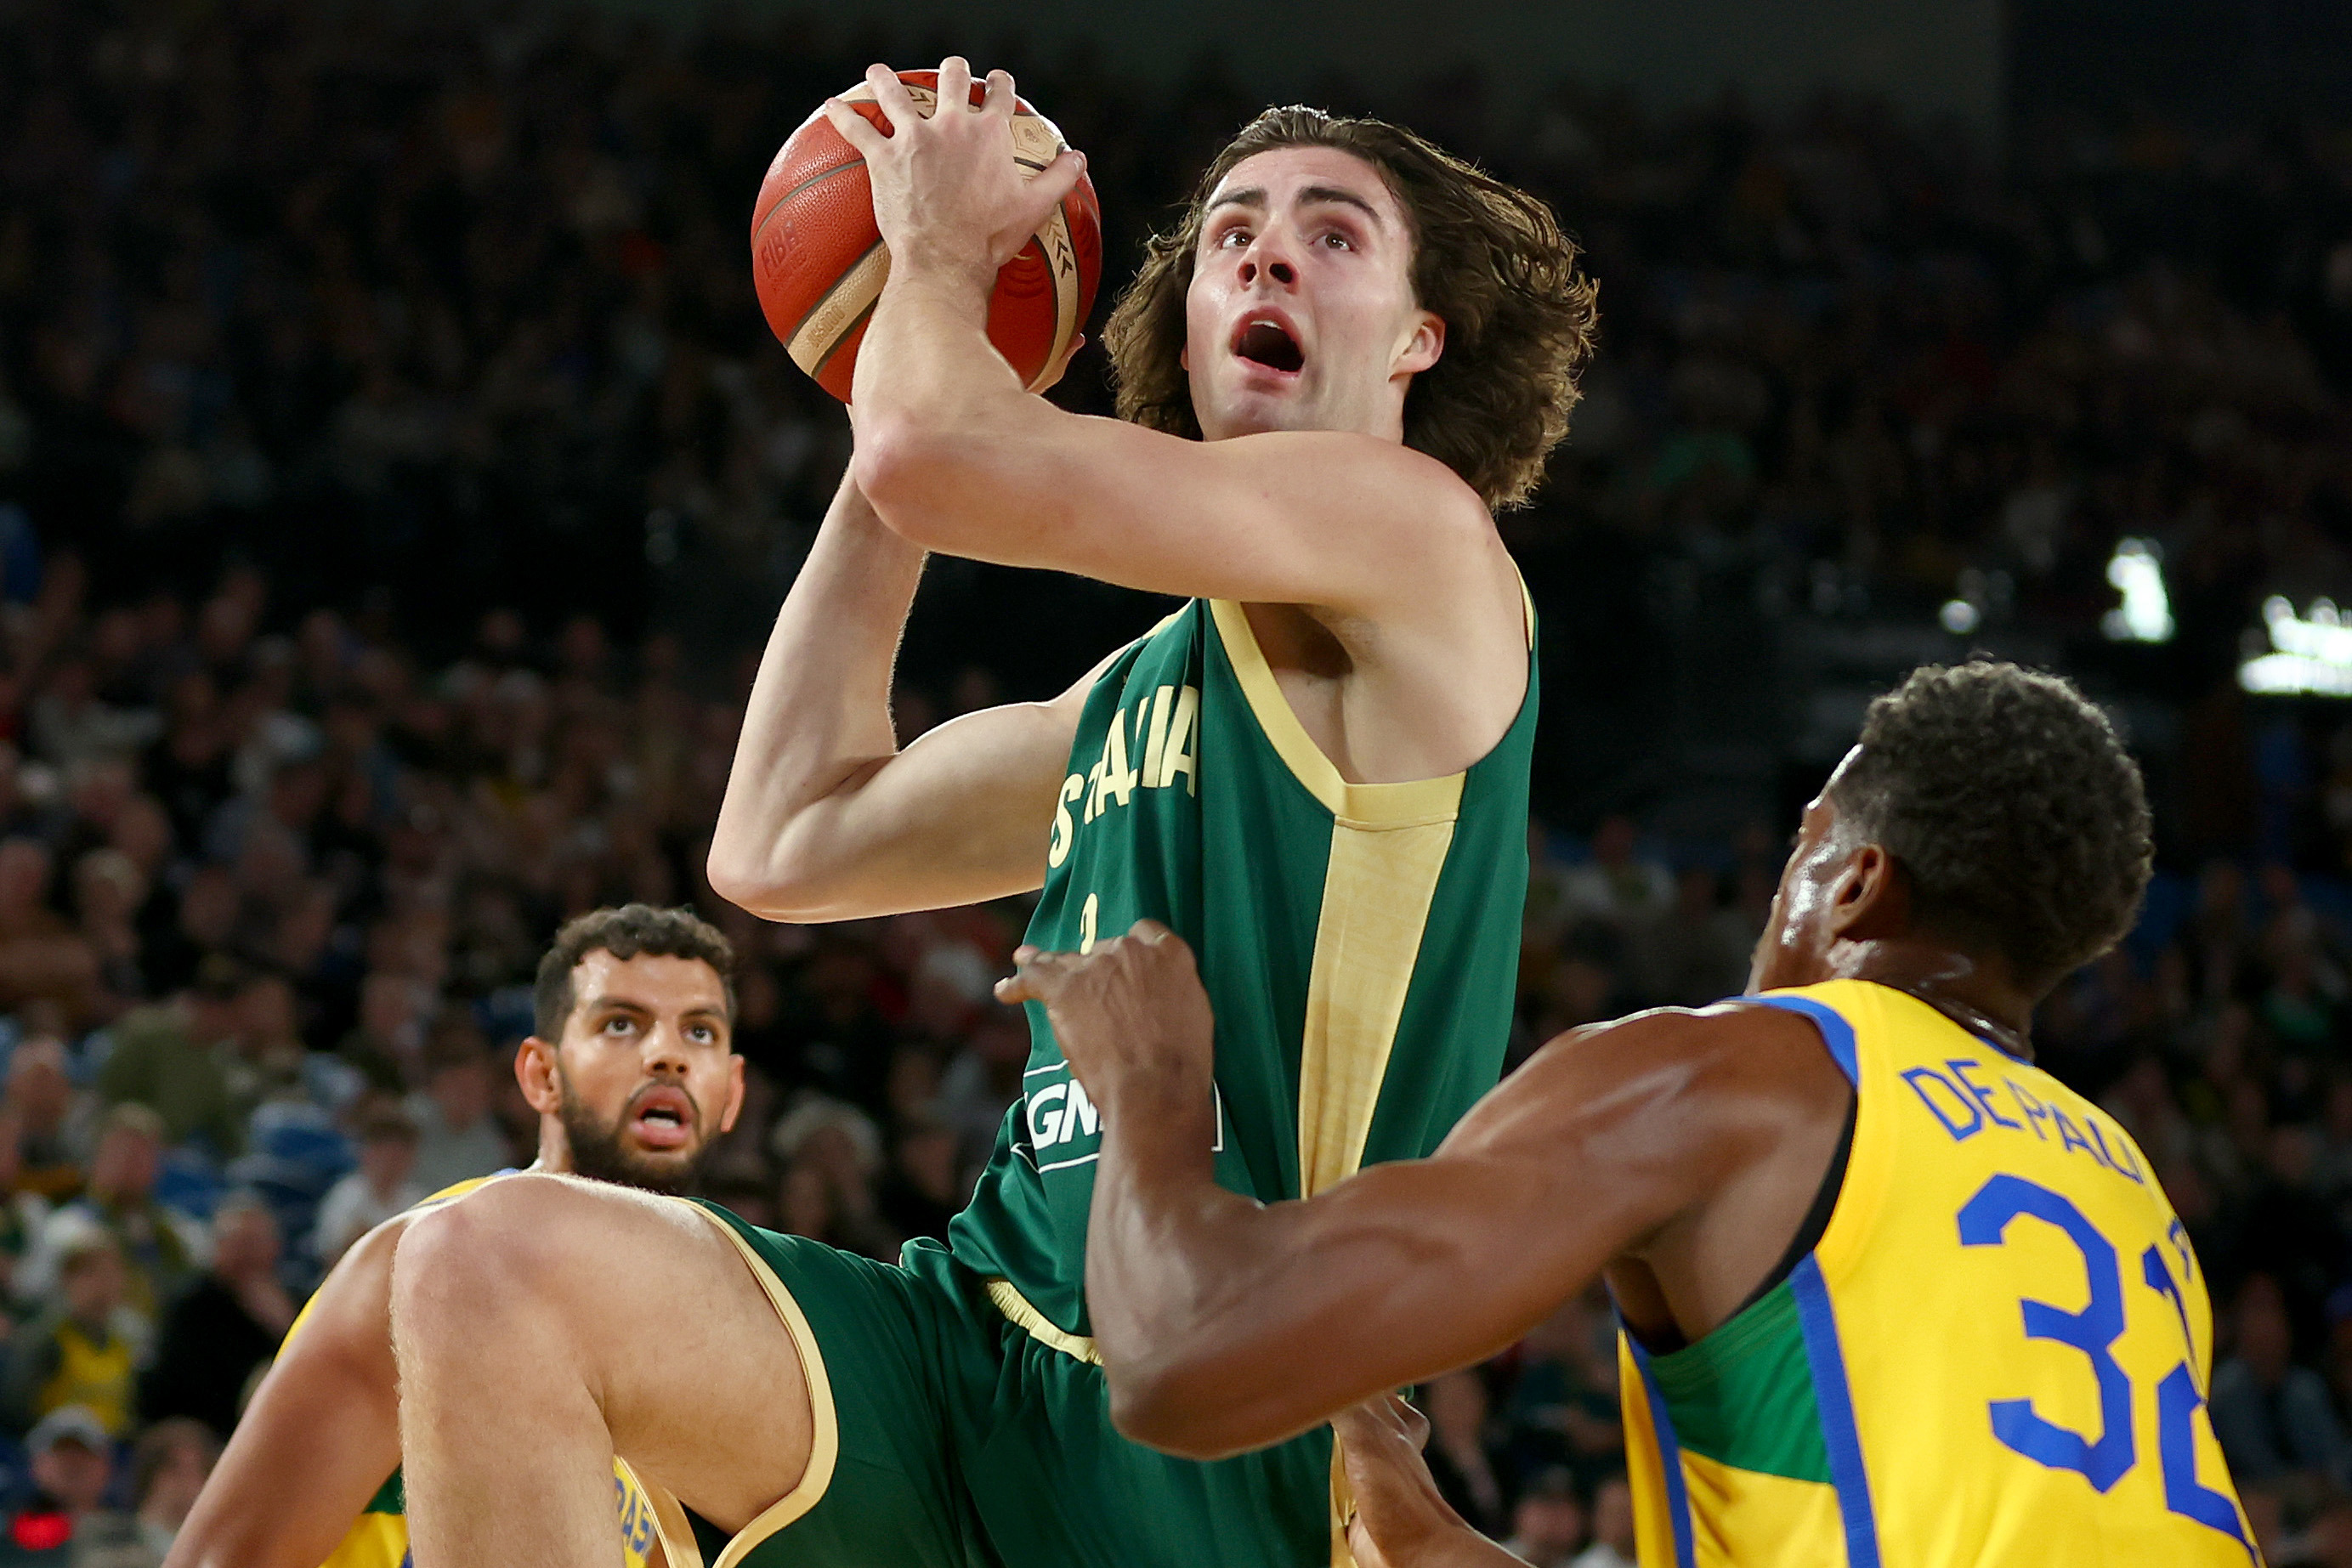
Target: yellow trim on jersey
(824, 1441)
(1039, 1327)
(1784, 1523)
(1404, 805)
(1376, 897)
(374, 1541)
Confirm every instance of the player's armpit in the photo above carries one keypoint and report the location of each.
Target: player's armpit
(320, 1436)
(1343, 521)
(1226, 1326)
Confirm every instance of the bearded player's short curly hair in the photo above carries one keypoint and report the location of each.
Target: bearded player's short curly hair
(624, 933)
(2011, 803)
(1488, 260)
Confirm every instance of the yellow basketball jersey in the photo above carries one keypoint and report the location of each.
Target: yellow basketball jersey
(1997, 1354)
(379, 1537)
(94, 1373)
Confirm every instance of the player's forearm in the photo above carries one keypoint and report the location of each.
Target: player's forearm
(1202, 1300)
(951, 449)
(818, 720)
(1458, 1546)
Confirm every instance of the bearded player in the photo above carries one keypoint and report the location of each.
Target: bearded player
(1352, 349)
(631, 1070)
(1889, 1294)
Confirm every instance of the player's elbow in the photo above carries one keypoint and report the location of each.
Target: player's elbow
(902, 467)
(781, 884)
(922, 477)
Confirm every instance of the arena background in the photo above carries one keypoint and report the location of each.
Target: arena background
(397, 481)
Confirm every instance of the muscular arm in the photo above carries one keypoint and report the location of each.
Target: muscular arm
(959, 459)
(825, 818)
(319, 1437)
(1225, 1324)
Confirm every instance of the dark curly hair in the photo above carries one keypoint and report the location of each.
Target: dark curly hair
(624, 933)
(2011, 803)
(1488, 260)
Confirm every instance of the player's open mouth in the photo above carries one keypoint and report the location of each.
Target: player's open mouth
(662, 1117)
(1264, 341)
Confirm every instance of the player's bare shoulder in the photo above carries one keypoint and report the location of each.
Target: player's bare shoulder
(1669, 1077)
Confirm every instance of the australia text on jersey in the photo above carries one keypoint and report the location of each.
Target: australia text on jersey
(1167, 726)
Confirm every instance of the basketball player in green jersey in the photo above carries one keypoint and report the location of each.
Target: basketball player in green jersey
(1352, 349)
(1890, 1296)
(632, 1071)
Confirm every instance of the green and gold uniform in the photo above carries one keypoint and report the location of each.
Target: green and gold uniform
(1995, 1356)
(1359, 944)
(379, 1537)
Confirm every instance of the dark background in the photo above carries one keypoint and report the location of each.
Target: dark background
(397, 480)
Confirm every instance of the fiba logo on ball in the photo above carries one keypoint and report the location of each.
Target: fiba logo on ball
(819, 262)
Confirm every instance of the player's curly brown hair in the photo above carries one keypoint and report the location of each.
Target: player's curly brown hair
(1488, 259)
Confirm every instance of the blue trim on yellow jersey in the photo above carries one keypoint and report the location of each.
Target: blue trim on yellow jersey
(1670, 1457)
(1834, 1400)
(1836, 1033)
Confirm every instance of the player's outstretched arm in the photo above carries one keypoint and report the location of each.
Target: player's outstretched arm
(1226, 1325)
(825, 818)
(956, 457)
(320, 1436)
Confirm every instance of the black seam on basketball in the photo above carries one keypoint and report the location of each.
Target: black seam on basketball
(848, 332)
(830, 290)
(775, 205)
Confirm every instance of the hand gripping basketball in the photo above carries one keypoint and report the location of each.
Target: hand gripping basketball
(819, 260)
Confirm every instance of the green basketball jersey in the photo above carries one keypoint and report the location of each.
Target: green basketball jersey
(1360, 942)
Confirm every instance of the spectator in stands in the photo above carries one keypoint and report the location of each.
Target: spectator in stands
(1695, 950)
(1562, 1409)
(169, 1057)
(386, 1047)
(160, 1244)
(2271, 1415)
(42, 957)
(922, 1190)
(109, 891)
(1613, 1527)
(80, 1351)
(1467, 1474)
(383, 1185)
(168, 1467)
(1617, 883)
(41, 1097)
(1547, 1521)
(66, 1521)
(226, 1326)
(831, 1150)
(269, 1048)
(457, 1138)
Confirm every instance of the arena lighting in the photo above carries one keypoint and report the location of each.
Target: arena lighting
(2136, 570)
(2313, 657)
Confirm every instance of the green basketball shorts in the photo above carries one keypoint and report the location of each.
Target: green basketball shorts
(948, 1436)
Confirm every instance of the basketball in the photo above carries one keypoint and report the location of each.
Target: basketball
(819, 263)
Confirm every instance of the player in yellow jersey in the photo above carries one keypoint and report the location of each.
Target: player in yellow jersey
(1889, 1293)
(632, 1073)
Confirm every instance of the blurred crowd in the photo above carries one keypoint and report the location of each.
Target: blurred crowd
(394, 469)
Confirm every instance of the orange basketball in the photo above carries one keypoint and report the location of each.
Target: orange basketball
(818, 260)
